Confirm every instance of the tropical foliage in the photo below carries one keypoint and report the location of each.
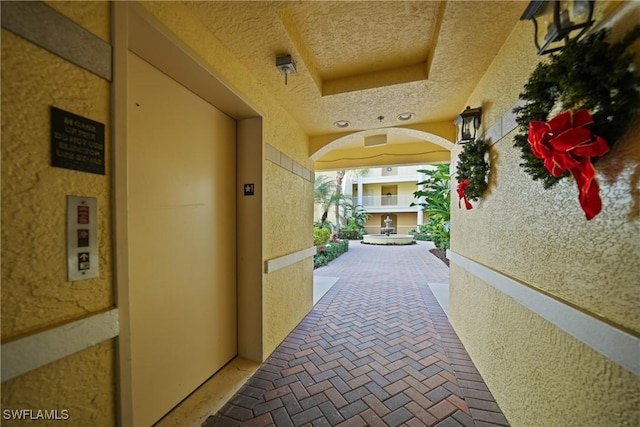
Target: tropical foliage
(325, 194)
(436, 203)
(355, 216)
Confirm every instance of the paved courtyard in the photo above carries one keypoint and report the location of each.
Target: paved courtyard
(376, 350)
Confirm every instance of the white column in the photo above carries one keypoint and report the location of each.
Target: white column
(360, 190)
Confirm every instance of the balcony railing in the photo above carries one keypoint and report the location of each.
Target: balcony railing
(403, 200)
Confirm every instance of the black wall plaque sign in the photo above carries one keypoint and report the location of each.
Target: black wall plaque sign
(76, 142)
(249, 189)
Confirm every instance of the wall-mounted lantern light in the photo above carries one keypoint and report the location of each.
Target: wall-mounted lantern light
(557, 21)
(468, 122)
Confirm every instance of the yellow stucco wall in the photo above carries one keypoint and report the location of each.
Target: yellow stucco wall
(287, 294)
(35, 291)
(287, 198)
(82, 384)
(539, 374)
(92, 15)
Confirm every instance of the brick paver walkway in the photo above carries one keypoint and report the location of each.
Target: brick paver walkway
(377, 350)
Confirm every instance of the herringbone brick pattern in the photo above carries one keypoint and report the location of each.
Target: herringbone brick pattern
(377, 350)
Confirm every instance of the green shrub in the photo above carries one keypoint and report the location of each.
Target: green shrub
(320, 236)
(425, 237)
(329, 252)
(350, 234)
(441, 241)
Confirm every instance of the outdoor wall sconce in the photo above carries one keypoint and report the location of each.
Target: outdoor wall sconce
(468, 122)
(286, 66)
(563, 20)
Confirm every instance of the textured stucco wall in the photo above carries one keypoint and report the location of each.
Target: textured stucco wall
(35, 291)
(288, 294)
(83, 384)
(285, 297)
(90, 14)
(287, 198)
(539, 374)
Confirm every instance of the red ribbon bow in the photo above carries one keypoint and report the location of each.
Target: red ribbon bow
(461, 187)
(565, 143)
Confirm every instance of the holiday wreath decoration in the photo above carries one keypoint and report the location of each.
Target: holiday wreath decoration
(473, 170)
(576, 107)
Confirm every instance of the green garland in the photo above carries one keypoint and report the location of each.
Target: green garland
(589, 74)
(473, 166)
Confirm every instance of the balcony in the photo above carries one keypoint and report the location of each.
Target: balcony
(394, 202)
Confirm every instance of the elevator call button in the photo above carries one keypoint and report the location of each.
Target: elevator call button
(82, 238)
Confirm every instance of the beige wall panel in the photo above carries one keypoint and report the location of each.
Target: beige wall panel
(35, 292)
(407, 188)
(82, 384)
(406, 222)
(540, 375)
(182, 234)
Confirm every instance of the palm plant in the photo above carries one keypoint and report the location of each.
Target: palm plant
(437, 203)
(338, 195)
(354, 216)
(325, 194)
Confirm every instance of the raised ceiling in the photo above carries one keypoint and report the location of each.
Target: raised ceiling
(362, 60)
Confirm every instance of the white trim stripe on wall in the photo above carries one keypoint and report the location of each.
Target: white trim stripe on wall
(609, 341)
(284, 261)
(31, 352)
(45, 27)
(279, 158)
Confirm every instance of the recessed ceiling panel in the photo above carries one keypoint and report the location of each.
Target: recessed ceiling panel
(352, 38)
(359, 60)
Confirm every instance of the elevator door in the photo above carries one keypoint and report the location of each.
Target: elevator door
(182, 237)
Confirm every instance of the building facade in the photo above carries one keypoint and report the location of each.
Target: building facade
(388, 191)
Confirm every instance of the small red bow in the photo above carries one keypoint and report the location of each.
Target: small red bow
(461, 187)
(565, 143)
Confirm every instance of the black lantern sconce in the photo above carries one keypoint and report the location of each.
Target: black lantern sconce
(563, 20)
(468, 122)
